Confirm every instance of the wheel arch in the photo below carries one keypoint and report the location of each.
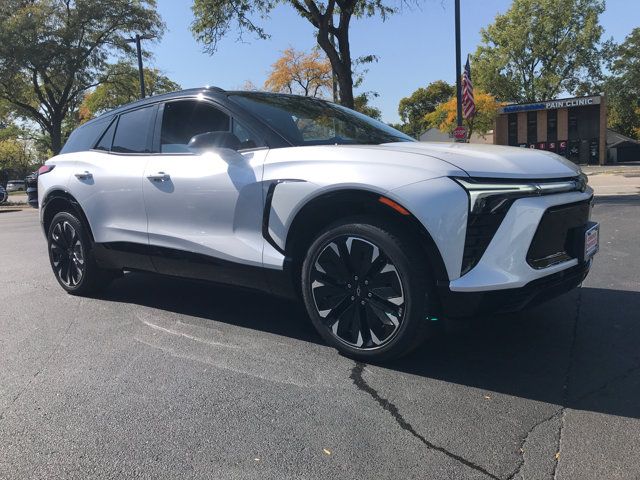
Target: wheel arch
(329, 207)
(58, 201)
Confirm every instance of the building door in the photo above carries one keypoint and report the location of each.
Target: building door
(584, 152)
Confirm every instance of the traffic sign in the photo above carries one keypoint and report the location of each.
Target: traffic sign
(460, 133)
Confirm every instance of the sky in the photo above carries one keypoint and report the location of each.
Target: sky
(414, 47)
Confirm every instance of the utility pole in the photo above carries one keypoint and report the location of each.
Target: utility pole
(136, 40)
(458, 66)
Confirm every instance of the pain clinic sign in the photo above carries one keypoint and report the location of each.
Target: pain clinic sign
(571, 102)
(552, 104)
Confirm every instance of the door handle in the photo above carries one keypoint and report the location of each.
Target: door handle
(159, 177)
(84, 175)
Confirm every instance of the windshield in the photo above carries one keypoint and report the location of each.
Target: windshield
(310, 121)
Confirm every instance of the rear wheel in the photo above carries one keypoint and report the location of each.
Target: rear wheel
(367, 289)
(71, 257)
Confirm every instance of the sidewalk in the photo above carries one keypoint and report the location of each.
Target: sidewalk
(627, 168)
(611, 180)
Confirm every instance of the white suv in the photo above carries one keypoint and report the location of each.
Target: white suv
(377, 233)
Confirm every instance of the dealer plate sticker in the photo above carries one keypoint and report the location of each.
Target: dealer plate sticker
(592, 241)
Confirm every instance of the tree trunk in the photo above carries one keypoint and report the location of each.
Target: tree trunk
(340, 59)
(345, 73)
(55, 134)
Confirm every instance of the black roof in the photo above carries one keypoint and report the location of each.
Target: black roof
(209, 91)
(158, 98)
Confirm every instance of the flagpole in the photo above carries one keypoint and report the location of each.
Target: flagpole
(458, 65)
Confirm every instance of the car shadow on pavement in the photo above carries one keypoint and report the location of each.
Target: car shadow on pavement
(579, 350)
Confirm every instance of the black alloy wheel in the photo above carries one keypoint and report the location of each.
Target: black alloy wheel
(67, 254)
(71, 256)
(357, 292)
(367, 289)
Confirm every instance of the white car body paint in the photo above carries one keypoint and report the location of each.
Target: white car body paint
(214, 206)
(213, 203)
(495, 161)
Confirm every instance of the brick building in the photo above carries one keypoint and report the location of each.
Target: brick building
(575, 128)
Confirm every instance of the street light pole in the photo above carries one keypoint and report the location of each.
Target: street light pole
(458, 65)
(137, 40)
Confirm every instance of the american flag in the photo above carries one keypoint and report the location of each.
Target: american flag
(468, 103)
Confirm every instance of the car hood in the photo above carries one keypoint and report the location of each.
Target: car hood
(493, 161)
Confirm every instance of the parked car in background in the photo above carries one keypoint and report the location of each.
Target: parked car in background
(15, 186)
(376, 233)
(3, 194)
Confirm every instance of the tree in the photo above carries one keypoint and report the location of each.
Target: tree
(52, 51)
(361, 104)
(414, 108)
(15, 156)
(540, 48)
(444, 117)
(297, 72)
(121, 85)
(623, 86)
(215, 18)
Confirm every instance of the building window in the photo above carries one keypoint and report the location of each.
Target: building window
(552, 125)
(532, 127)
(573, 124)
(513, 129)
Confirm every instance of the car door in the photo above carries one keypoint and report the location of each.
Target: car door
(107, 180)
(204, 210)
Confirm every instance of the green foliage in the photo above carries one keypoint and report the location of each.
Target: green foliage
(361, 104)
(52, 51)
(623, 87)
(540, 48)
(414, 108)
(214, 19)
(120, 84)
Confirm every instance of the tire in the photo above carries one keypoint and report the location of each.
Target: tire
(367, 289)
(71, 256)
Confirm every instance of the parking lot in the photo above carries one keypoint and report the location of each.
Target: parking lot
(166, 378)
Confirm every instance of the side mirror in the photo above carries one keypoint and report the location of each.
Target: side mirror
(213, 140)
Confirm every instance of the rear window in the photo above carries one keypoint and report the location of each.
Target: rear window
(85, 137)
(132, 131)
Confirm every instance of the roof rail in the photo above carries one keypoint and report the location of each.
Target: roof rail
(215, 89)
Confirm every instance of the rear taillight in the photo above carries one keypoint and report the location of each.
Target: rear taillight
(45, 169)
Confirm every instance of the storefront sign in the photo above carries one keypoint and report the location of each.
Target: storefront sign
(552, 104)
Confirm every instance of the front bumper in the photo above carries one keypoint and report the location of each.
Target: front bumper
(504, 266)
(466, 304)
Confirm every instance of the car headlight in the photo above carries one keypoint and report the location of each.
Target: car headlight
(489, 201)
(489, 195)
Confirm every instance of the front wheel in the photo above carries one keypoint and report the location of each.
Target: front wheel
(71, 256)
(367, 289)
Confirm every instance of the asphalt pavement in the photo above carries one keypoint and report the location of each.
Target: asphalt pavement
(167, 378)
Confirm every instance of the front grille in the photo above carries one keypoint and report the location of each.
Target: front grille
(554, 238)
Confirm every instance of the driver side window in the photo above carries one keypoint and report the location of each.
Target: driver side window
(183, 120)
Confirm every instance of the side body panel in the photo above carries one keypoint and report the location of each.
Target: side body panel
(209, 204)
(438, 202)
(111, 195)
(107, 187)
